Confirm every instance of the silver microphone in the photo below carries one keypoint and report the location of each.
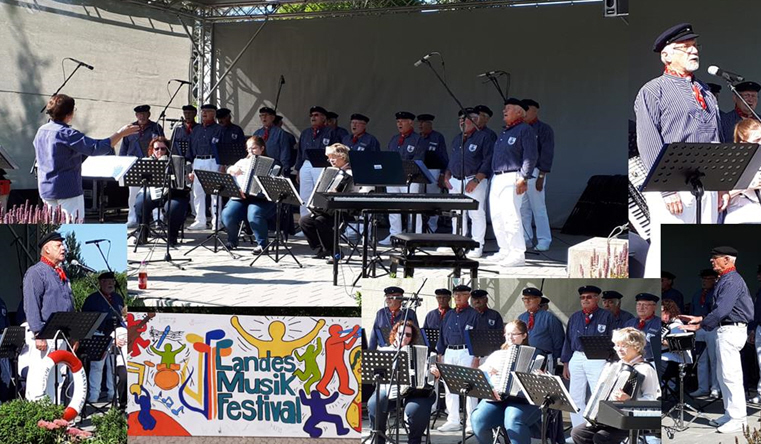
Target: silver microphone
(76, 263)
(726, 75)
(487, 74)
(424, 59)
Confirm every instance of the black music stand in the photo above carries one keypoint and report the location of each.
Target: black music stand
(377, 368)
(547, 392)
(415, 171)
(231, 153)
(433, 162)
(145, 173)
(465, 381)
(11, 343)
(95, 349)
(317, 158)
(218, 185)
(696, 167)
(172, 181)
(598, 347)
(484, 342)
(681, 342)
(180, 147)
(73, 326)
(281, 191)
(431, 336)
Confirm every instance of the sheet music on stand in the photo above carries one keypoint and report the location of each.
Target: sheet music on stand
(107, 167)
(229, 154)
(484, 342)
(74, 325)
(279, 189)
(12, 341)
(94, 348)
(598, 347)
(415, 171)
(317, 158)
(180, 147)
(6, 163)
(381, 363)
(151, 170)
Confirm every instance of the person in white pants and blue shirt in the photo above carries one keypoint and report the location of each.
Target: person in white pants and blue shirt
(731, 313)
(203, 153)
(317, 137)
(436, 158)
(534, 207)
(754, 335)
(702, 301)
(591, 320)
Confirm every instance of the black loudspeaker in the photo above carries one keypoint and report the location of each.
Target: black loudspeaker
(615, 8)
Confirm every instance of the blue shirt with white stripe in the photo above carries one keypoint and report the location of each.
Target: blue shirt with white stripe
(732, 302)
(433, 319)
(311, 140)
(547, 334)
(204, 141)
(365, 142)
(516, 149)
(411, 149)
(489, 319)
(479, 148)
(600, 324)
(45, 294)
(60, 151)
(278, 147)
(453, 327)
(436, 144)
(699, 309)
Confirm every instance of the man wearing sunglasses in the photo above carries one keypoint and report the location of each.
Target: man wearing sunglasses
(591, 320)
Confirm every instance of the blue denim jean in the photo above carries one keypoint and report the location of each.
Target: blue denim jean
(517, 419)
(416, 410)
(256, 213)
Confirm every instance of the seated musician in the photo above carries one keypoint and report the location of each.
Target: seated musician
(256, 209)
(176, 209)
(417, 410)
(670, 359)
(318, 226)
(517, 415)
(629, 344)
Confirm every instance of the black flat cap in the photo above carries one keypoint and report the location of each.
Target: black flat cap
(676, 33)
(426, 117)
(318, 109)
(748, 86)
(209, 106)
(531, 291)
(142, 108)
(589, 289)
(468, 111)
(461, 288)
(715, 89)
(443, 292)
(647, 297)
(545, 300)
(331, 115)
(518, 102)
(479, 294)
(53, 236)
(484, 109)
(361, 117)
(708, 272)
(393, 290)
(405, 115)
(668, 275)
(106, 275)
(222, 113)
(277, 120)
(724, 251)
(610, 294)
(531, 102)
(267, 110)
(189, 108)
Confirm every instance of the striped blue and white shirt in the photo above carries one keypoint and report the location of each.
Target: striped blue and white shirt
(60, 151)
(44, 294)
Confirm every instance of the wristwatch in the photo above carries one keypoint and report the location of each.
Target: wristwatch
(475, 179)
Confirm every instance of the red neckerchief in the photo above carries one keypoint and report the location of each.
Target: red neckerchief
(695, 90)
(588, 314)
(741, 114)
(315, 130)
(108, 297)
(531, 320)
(532, 122)
(703, 295)
(732, 268)
(515, 122)
(443, 311)
(458, 309)
(266, 133)
(57, 269)
(393, 315)
(189, 127)
(642, 322)
(403, 136)
(467, 136)
(482, 312)
(355, 139)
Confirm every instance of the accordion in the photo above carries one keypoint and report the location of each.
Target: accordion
(419, 382)
(331, 180)
(615, 376)
(257, 166)
(519, 358)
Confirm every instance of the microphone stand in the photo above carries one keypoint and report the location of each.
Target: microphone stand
(162, 116)
(493, 79)
(739, 96)
(279, 88)
(462, 143)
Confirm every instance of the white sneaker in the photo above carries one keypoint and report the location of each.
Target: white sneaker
(475, 254)
(542, 246)
(720, 421)
(469, 429)
(132, 224)
(450, 427)
(715, 394)
(497, 257)
(755, 400)
(300, 235)
(509, 263)
(195, 226)
(387, 242)
(733, 426)
(131, 241)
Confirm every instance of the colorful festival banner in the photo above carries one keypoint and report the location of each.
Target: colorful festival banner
(223, 375)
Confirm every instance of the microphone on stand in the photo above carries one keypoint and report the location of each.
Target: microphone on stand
(82, 266)
(424, 59)
(488, 74)
(184, 82)
(726, 75)
(95, 241)
(282, 80)
(90, 67)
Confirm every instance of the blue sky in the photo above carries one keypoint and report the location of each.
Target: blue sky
(115, 233)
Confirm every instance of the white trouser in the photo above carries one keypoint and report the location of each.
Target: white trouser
(433, 188)
(464, 359)
(395, 220)
(73, 208)
(659, 214)
(707, 363)
(506, 216)
(131, 216)
(742, 210)
(199, 195)
(533, 206)
(31, 358)
(308, 177)
(478, 216)
(584, 373)
(730, 339)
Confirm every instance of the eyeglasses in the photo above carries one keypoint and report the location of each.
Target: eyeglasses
(581, 298)
(516, 334)
(686, 48)
(528, 299)
(159, 148)
(408, 335)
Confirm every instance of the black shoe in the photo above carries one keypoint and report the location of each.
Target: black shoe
(332, 257)
(173, 243)
(321, 254)
(230, 246)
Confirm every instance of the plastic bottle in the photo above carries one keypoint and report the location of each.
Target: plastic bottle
(142, 276)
